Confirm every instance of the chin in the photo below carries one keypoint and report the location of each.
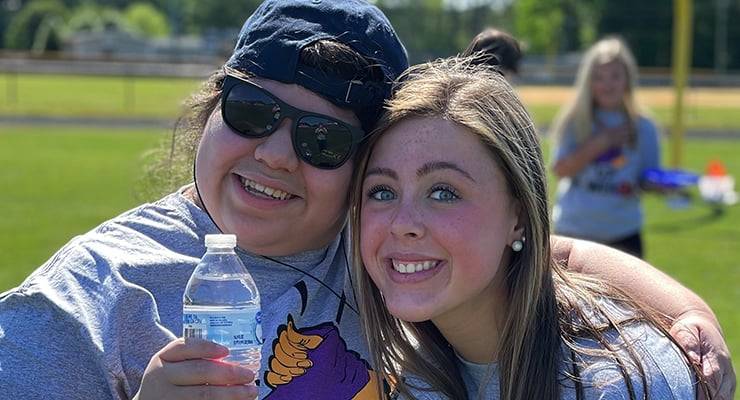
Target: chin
(404, 314)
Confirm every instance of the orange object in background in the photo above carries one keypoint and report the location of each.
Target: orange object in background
(716, 168)
(716, 187)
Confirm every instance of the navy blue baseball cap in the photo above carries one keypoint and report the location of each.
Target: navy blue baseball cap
(272, 38)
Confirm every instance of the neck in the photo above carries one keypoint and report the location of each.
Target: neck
(474, 329)
(192, 194)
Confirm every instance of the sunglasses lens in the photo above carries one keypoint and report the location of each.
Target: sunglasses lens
(322, 142)
(250, 111)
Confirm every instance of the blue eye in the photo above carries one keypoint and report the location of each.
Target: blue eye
(381, 193)
(444, 193)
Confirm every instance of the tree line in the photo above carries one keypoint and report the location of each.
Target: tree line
(429, 28)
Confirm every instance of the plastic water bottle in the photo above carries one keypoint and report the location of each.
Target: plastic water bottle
(221, 303)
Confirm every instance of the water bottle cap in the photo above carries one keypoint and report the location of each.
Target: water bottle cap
(222, 240)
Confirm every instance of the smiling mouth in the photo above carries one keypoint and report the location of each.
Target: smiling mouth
(410, 267)
(264, 191)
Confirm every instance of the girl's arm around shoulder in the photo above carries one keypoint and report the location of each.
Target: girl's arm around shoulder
(667, 375)
(695, 326)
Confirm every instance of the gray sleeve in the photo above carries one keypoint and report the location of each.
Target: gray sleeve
(667, 374)
(567, 144)
(46, 349)
(418, 389)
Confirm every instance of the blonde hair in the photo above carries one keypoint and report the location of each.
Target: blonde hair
(549, 306)
(578, 114)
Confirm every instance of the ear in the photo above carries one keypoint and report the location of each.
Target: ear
(517, 228)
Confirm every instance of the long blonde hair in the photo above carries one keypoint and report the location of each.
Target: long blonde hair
(578, 114)
(548, 306)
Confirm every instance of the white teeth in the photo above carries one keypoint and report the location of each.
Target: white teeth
(411, 267)
(257, 187)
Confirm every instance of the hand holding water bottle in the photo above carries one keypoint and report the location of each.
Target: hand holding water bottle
(191, 369)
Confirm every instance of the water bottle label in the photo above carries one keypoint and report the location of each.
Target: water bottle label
(235, 329)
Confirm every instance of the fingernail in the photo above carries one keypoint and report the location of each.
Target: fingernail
(304, 363)
(246, 373)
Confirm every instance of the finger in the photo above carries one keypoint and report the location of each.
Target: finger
(727, 389)
(296, 359)
(191, 349)
(305, 341)
(201, 372)
(277, 380)
(711, 371)
(688, 340)
(211, 392)
(289, 348)
(281, 369)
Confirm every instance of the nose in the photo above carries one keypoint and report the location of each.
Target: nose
(407, 223)
(276, 150)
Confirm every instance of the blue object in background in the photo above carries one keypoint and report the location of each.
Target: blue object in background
(670, 178)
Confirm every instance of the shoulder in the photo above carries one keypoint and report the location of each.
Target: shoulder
(639, 347)
(646, 125)
(84, 284)
(418, 389)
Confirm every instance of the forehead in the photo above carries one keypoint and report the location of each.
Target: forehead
(304, 99)
(412, 142)
(610, 67)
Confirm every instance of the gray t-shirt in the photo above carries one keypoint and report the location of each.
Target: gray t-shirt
(602, 201)
(667, 375)
(85, 324)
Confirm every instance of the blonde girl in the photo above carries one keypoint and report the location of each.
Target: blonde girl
(458, 292)
(603, 144)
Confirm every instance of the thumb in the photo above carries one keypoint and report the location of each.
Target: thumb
(308, 342)
(689, 338)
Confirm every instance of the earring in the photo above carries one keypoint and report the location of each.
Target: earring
(518, 245)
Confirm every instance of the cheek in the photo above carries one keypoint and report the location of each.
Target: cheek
(473, 235)
(219, 146)
(374, 230)
(329, 189)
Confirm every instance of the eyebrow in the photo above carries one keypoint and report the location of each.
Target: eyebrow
(382, 171)
(437, 165)
(424, 170)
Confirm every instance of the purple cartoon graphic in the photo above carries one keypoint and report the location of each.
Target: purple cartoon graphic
(316, 360)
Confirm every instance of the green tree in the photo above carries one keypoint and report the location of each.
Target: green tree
(201, 16)
(34, 25)
(146, 20)
(539, 24)
(94, 18)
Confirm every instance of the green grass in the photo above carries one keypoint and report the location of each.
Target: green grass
(124, 97)
(60, 183)
(696, 117)
(93, 96)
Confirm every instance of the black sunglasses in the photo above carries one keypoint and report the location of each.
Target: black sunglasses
(319, 140)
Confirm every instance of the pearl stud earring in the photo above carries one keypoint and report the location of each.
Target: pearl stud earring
(518, 245)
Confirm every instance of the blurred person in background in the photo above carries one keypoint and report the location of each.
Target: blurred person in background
(496, 48)
(603, 143)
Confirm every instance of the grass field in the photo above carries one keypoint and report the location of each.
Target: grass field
(60, 183)
(120, 97)
(92, 96)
